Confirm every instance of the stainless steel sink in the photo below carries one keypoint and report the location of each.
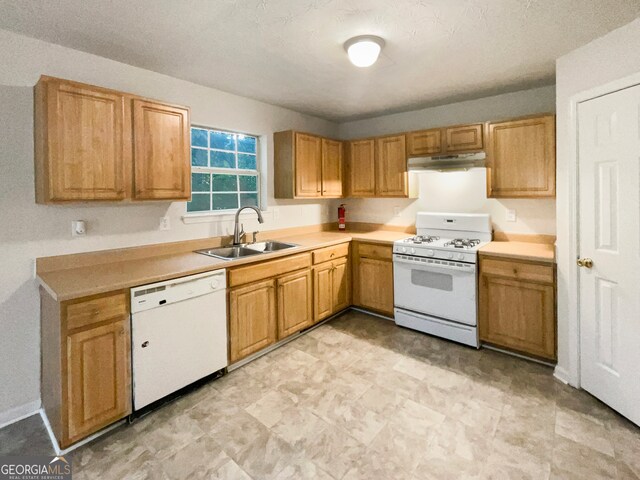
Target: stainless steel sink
(247, 250)
(270, 246)
(229, 253)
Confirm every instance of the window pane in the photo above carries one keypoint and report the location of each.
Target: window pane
(199, 137)
(247, 161)
(199, 202)
(225, 201)
(248, 183)
(248, 199)
(246, 144)
(225, 183)
(199, 157)
(222, 140)
(200, 182)
(223, 159)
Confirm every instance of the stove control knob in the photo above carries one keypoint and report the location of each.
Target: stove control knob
(431, 253)
(450, 256)
(460, 256)
(403, 249)
(413, 250)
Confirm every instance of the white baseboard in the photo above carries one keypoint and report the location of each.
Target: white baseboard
(561, 374)
(18, 413)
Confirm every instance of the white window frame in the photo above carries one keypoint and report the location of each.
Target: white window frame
(225, 171)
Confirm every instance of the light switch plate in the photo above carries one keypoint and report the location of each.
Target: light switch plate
(165, 223)
(397, 211)
(511, 215)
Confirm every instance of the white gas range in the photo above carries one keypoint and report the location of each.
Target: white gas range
(434, 275)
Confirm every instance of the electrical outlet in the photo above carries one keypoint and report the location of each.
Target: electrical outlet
(276, 213)
(165, 223)
(511, 215)
(397, 211)
(78, 228)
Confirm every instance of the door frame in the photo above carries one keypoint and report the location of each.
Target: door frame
(569, 249)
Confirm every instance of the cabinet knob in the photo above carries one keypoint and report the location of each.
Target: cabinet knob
(585, 262)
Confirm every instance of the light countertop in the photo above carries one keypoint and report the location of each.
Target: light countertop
(72, 283)
(539, 252)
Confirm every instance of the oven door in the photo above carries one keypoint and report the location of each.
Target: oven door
(441, 288)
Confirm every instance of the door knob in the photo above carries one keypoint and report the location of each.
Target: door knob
(585, 262)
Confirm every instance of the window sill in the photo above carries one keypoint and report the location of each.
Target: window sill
(212, 217)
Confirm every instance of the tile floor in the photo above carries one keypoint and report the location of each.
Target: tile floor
(360, 398)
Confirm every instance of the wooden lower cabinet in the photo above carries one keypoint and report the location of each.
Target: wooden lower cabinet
(517, 306)
(86, 363)
(373, 277)
(332, 288)
(295, 302)
(98, 377)
(252, 318)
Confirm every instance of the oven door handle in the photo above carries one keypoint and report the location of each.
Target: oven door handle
(467, 268)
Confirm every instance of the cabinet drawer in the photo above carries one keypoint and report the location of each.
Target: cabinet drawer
(269, 269)
(329, 253)
(99, 309)
(370, 250)
(517, 270)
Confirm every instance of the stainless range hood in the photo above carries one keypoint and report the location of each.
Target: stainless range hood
(444, 163)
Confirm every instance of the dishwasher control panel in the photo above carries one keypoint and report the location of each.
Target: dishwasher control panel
(159, 294)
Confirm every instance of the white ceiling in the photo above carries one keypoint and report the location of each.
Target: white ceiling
(289, 52)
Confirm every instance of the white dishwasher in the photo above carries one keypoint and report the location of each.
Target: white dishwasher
(178, 334)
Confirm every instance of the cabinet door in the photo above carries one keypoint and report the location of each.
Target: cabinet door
(98, 378)
(161, 140)
(522, 158)
(391, 163)
(425, 142)
(341, 284)
(464, 138)
(375, 284)
(82, 157)
(518, 315)
(361, 167)
(295, 303)
(308, 162)
(331, 168)
(323, 291)
(252, 319)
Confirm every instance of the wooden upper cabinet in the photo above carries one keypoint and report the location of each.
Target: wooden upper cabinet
(464, 138)
(424, 142)
(79, 145)
(87, 137)
(161, 144)
(391, 166)
(361, 166)
(332, 161)
(521, 158)
(307, 166)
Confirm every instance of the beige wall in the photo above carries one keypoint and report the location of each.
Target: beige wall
(29, 230)
(457, 191)
(609, 58)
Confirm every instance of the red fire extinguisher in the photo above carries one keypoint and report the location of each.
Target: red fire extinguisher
(341, 217)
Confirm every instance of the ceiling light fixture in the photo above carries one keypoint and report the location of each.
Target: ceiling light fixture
(364, 50)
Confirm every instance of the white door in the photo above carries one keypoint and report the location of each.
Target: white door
(609, 234)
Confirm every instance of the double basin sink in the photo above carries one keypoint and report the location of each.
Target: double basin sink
(246, 250)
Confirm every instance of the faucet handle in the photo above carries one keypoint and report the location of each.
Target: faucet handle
(255, 235)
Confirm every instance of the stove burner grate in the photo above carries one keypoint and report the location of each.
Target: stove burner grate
(463, 243)
(423, 239)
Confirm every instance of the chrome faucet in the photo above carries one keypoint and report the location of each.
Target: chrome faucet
(238, 230)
